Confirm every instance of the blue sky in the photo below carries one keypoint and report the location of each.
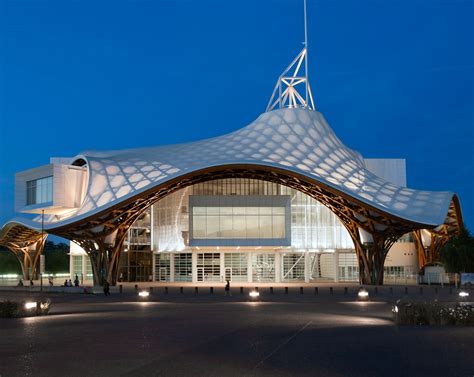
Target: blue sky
(395, 79)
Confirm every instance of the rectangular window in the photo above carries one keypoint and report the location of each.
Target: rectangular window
(292, 267)
(183, 270)
(39, 191)
(235, 266)
(162, 267)
(238, 222)
(208, 267)
(263, 267)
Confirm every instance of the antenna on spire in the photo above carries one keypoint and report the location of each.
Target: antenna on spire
(286, 92)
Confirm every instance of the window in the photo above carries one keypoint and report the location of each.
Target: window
(39, 191)
(238, 222)
(208, 267)
(183, 270)
(292, 267)
(263, 267)
(235, 266)
(162, 267)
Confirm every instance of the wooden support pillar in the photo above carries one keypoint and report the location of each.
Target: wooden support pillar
(28, 254)
(104, 253)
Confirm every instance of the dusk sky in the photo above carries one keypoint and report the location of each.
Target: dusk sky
(394, 79)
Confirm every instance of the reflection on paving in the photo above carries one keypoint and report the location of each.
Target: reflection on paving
(228, 339)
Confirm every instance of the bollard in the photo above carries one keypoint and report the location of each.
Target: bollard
(316, 291)
(345, 290)
(181, 290)
(286, 290)
(391, 290)
(241, 290)
(421, 290)
(196, 291)
(120, 288)
(301, 290)
(136, 287)
(406, 290)
(211, 290)
(330, 290)
(256, 289)
(271, 290)
(166, 290)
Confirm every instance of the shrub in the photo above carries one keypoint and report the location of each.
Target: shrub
(8, 309)
(433, 313)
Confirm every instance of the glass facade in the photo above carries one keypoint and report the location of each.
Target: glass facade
(263, 267)
(163, 267)
(183, 268)
(313, 226)
(293, 267)
(208, 267)
(308, 242)
(39, 191)
(238, 222)
(236, 266)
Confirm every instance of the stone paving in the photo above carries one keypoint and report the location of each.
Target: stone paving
(184, 334)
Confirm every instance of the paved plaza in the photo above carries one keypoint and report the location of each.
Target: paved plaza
(211, 335)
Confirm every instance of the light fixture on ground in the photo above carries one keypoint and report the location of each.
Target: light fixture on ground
(143, 293)
(363, 294)
(463, 294)
(254, 294)
(30, 305)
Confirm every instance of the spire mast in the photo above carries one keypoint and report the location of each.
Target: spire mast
(292, 88)
(306, 48)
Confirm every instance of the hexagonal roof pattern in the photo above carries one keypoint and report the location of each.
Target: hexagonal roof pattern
(294, 139)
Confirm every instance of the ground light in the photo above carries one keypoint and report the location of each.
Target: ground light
(254, 294)
(30, 305)
(363, 294)
(143, 294)
(463, 294)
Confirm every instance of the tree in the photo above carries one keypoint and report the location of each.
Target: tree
(56, 257)
(8, 262)
(458, 253)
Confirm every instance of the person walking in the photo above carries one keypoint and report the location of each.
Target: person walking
(50, 280)
(227, 289)
(106, 288)
(76, 281)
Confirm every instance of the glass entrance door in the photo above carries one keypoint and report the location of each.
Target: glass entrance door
(208, 267)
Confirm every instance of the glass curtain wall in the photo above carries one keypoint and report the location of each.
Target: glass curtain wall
(263, 267)
(313, 226)
(236, 265)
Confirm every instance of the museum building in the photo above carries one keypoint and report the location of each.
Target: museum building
(279, 200)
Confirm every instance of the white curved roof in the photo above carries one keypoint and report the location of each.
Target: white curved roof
(298, 140)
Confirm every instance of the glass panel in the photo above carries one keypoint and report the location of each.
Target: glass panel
(252, 226)
(235, 266)
(278, 227)
(292, 268)
(212, 228)
(183, 267)
(263, 267)
(199, 226)
(265, 225)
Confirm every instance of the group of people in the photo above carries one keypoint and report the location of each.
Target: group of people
(68, 283)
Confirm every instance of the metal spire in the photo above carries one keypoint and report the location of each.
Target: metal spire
(286, 92)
